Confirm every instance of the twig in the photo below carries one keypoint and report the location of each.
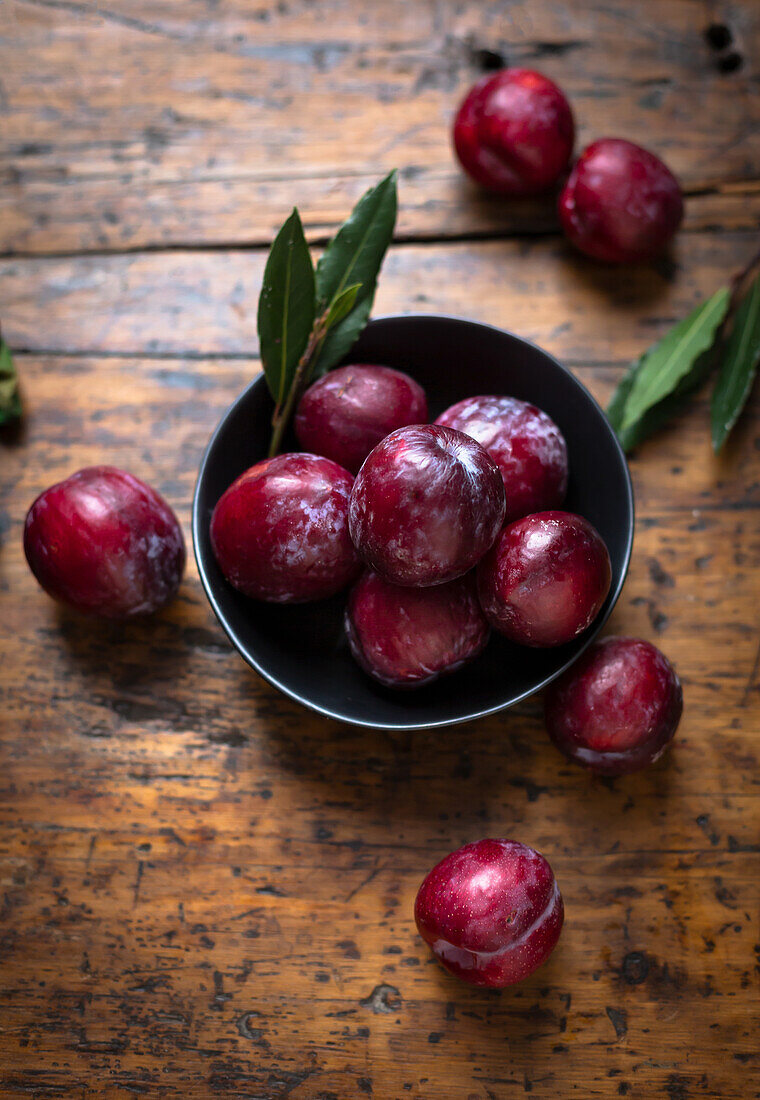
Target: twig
(282, 414)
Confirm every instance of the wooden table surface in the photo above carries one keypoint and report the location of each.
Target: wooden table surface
(206, 890)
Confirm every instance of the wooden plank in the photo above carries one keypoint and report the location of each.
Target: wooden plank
(199, 991)
(205, 890)
(126, 215)
(201, 128)
(204, 302)
(208, 891)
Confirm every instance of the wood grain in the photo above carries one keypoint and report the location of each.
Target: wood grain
(206, 890)
(204, 123)
(203, 303)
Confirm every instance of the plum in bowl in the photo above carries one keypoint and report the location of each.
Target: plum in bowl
(303, 649)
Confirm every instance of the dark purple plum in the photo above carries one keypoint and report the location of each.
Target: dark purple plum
(617, 709)
(105, 543)
(525, 444)
(280, 532)
(426, 505)
(620, 204)
(406, 637)
(491, 912)
(514, 132)
(545, 579)
(348, 411)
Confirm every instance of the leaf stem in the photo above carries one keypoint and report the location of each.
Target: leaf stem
(283, 412)
(293, 293)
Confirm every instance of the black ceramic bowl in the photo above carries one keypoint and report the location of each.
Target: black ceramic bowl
(302, 649)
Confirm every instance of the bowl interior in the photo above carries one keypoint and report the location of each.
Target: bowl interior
(302, 649)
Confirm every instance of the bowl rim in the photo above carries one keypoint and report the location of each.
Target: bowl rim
(368, 723)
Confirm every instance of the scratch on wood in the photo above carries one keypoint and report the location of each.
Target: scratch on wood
(373, 874)
(751, 678)
(138, 880)
(91, 849)
(127, 21)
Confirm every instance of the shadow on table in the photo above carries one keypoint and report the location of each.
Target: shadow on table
(14, 433)
(634, 286)
(492, 775)
(145, 670)
(479, 777)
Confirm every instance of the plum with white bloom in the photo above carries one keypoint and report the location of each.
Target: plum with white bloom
(426, 506)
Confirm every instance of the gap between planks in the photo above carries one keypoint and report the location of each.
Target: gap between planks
(317, 239)
(19, 351)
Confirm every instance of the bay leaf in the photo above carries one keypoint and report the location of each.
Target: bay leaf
(662, 367)
(738, 369)
(10, 401)
(287, 307)
(342, 305)
(355, 255)
(659, 415)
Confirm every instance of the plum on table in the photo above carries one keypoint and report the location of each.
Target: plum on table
(514, 132)
(105, 543)
(617, 709)
(621, 203)
(491, 912)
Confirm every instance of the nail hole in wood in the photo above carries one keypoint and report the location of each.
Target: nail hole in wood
(718, 36)
(488, 60)
(730, 62)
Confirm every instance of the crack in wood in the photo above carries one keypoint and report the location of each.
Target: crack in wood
(319, 234)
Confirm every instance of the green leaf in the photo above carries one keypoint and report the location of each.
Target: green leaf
(340, 339)
(342, 305)
(666, 363)
(616, 407)
(738, 369)
(355, 255)
(664, 410)
(10, 402)
(287, 307)
(655, 418)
